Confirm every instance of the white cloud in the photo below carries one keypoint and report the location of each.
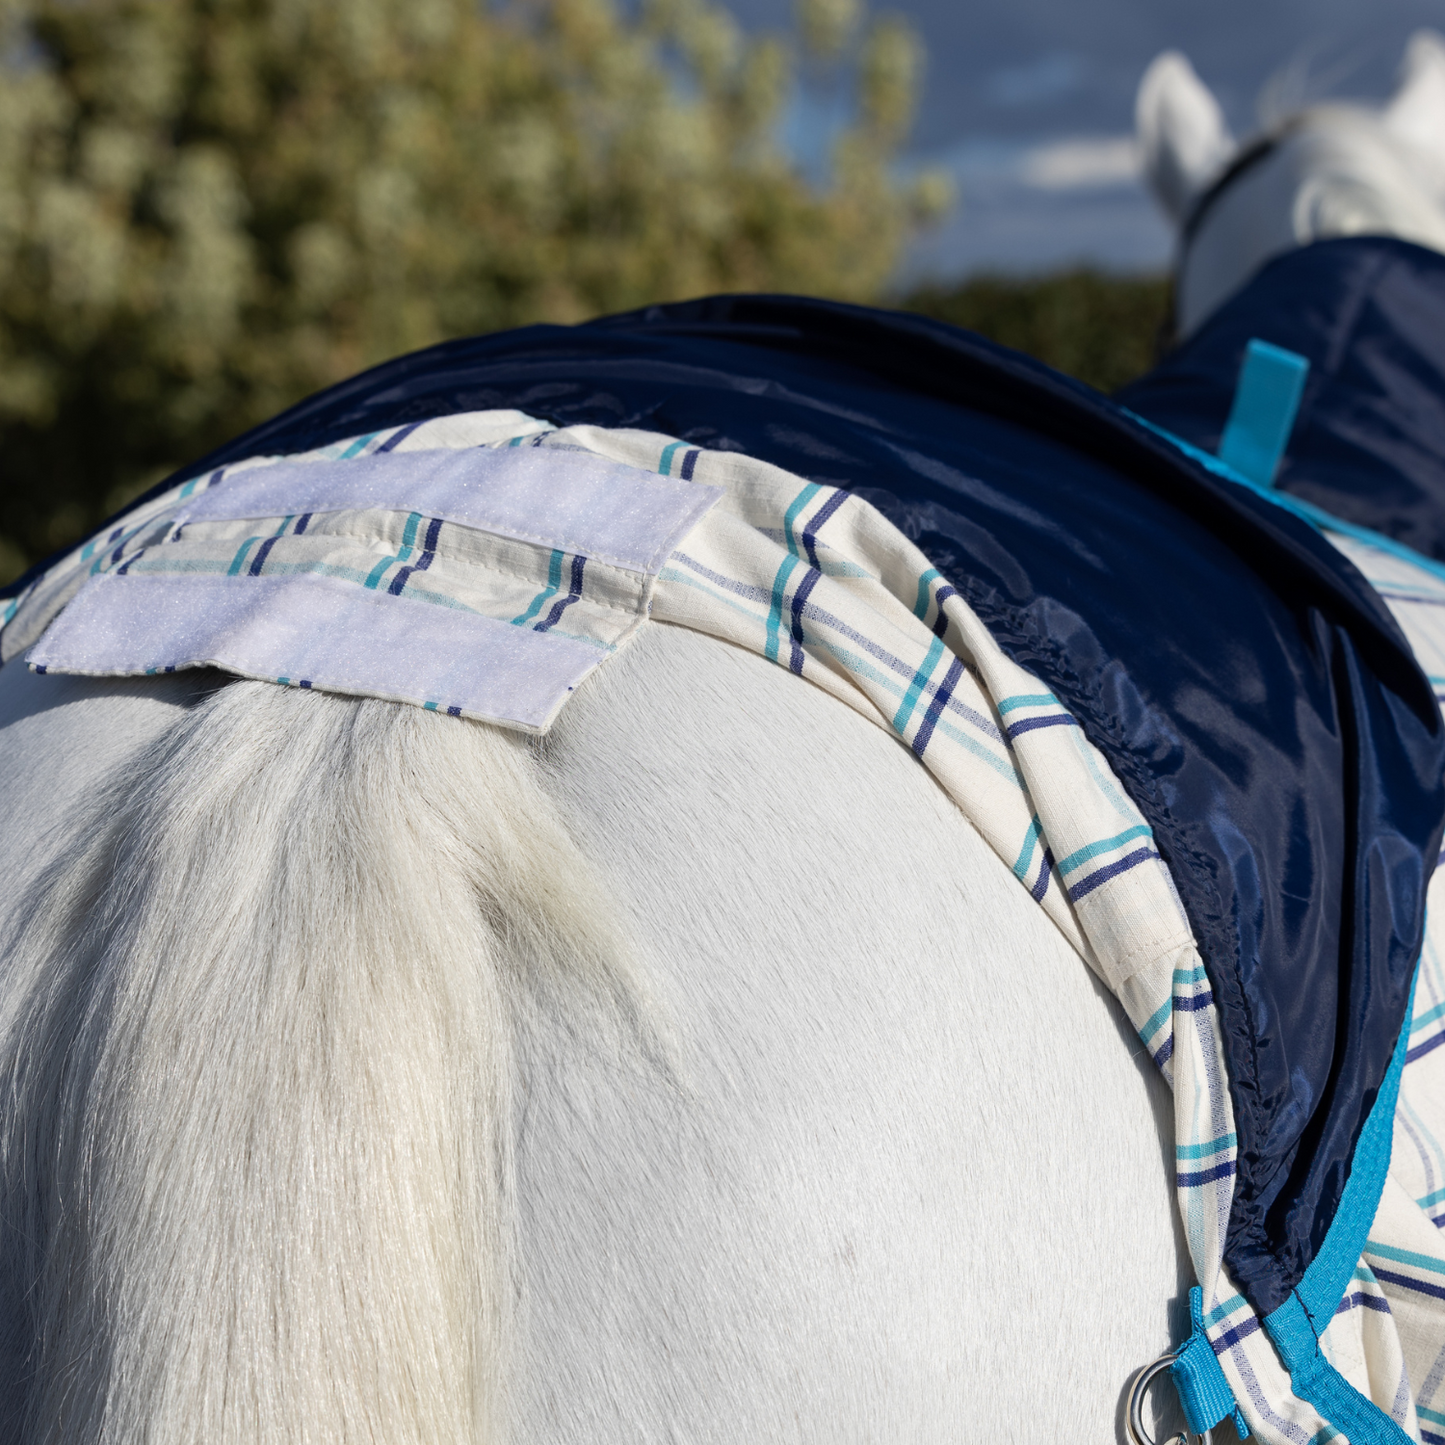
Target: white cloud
(1085, 163)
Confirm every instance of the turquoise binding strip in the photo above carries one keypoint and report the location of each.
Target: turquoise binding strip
(1266, 402)
(1295, 1327)
(1317, 517)
(1199, 1380)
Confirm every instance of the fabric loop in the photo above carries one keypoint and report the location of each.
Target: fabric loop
(1199, 1380)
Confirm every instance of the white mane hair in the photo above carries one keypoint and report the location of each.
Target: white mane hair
(696, 1074)
(256, 1038)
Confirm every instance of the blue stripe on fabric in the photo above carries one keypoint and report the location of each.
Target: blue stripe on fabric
(1436, 1417)
(574, 594)
(1041, 883)
(775, 608)
(554, 581)
(1261, 417)
(262, 552)
(800, 596)
(1420, 1050)
(1082, 855)
(397, 437)
(1418, 1286)
(1223, 1170)
(1031, 724)
(916, 686)
(1327, 1279)
(818, 521)
(1430, 1199)
(1086, 885)
(689, 463)
(1203, 1151)
(1360, 1300)
(1192, 1003)
(936, 706)
(791, 515)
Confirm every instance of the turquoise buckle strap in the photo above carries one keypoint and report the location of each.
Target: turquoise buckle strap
(1203, 1391)
(1266, 402)
(1296, 1326)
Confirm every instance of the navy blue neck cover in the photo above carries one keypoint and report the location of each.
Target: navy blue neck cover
(1251, 691)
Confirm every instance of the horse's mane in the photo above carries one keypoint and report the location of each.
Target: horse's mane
(257, 1041)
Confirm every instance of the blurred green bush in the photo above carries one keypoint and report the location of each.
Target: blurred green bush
(210, 208)
(1101, 328)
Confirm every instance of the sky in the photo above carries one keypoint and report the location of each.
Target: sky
(1028, 104)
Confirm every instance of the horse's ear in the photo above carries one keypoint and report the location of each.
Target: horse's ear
(1183, 140)
(1416, 112)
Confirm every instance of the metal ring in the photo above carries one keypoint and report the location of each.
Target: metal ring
(1134, 1415)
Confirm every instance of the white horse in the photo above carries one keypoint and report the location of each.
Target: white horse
(378, 1076)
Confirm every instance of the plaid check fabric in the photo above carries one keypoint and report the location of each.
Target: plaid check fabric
(816, 581)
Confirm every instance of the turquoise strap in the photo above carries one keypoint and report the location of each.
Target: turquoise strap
(1199, 1380)
(1266, 401)
(1295, 1327)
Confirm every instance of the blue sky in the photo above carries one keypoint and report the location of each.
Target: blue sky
(1029, 104)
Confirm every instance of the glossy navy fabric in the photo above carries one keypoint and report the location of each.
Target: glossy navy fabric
(1368, 444)
(1250, 690)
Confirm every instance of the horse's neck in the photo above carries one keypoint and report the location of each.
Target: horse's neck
(914, 1177)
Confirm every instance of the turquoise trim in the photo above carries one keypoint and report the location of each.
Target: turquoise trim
(1199, 1379)
(1317, 517)
(775, 609)
(1295, 1327)
(1026, 853)
(1261, 418)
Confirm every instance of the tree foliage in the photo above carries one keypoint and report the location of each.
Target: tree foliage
(1102, 329)
(209, 208)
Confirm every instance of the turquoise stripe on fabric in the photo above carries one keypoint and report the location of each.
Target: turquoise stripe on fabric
(1026, 853)
(554, 581)
(1428, 1017)
(1155, 1020)
(1403, 1256)
(915, 688)
(358, 446)
(1203, 1151)
(664, 464)
(408, 537)
(1092, 850)
(1317, 517)
(920, 608)
(1028, 699)
(791, 515)
(1223, 1309)
(775, 611)
(1430, 1199)
(1435, 1417)
(239, 560)
(1317, 1296)
(1261, 418)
